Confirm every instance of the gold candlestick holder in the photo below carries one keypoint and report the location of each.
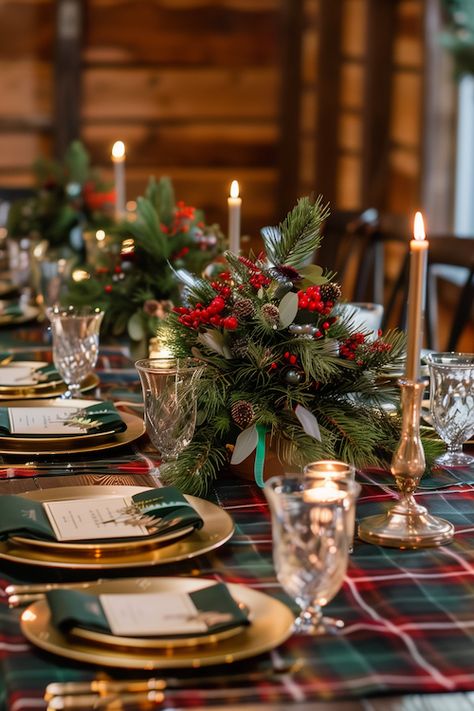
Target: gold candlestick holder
(407, 524)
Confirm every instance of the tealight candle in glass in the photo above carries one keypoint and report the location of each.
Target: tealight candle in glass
(335, 474)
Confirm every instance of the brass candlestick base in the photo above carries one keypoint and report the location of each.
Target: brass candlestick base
(407, 525)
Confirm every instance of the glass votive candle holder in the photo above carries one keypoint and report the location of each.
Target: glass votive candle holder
(333, 473)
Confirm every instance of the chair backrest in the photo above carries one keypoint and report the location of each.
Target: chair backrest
(450, 259)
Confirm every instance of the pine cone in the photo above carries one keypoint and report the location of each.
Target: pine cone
(243, 308)
(239, 347)
(330, 292)
(242, 413)
(271, 314)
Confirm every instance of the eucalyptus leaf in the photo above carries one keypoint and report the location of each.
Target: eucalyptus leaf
(213, 340)
(135, 327)
(308, 422)
(245, 444)
(288, 309)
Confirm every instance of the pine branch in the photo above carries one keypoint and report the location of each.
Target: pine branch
(298, 236)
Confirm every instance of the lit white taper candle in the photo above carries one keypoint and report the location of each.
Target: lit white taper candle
(118, 158)
(416, 298)
(234, 203)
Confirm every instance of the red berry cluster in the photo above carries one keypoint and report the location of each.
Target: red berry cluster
(222, 289)
(207, 315)
(380, 346)
(311, 300)
(347, 348)
(182, 253)
(257, 278)
(290, 358)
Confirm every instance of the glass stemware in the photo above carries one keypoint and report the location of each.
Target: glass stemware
(75, 343)
(311, 540)
(452, 403)
(169, 394)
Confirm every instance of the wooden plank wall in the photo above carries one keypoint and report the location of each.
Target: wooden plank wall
(193, 89)
(190, 86)
(335, 82)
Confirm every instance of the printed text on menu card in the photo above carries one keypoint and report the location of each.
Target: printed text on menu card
(92, 519)
(42, 420)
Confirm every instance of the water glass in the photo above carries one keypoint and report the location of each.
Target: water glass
(310, 544)
(75, 343)
(452, 403)
(169, 394)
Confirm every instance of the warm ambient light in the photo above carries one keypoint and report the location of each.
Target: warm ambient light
(419, 228)
(234, 189)
(80, 275)
(100, 235)
(118, 151)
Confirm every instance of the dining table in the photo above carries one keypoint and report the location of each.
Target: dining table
(408, 639)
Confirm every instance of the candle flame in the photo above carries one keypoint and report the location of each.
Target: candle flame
(118, 150)
(234, 189)
(100, 235)
(419, 227)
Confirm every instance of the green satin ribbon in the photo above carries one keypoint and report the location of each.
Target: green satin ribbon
(260, 455)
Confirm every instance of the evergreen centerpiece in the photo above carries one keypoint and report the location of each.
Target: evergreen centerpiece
(284, 366)
(66, 195)
(136, 282)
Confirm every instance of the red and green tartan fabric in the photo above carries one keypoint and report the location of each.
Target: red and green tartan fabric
(409, 614)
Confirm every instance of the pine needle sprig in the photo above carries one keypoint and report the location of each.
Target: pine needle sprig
(298, 236)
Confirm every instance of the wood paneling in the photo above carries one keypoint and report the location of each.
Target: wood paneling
(191, 95)
(27, 29)
(181, 34)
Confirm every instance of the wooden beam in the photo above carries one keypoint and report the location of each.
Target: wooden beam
(67, 73)
(381, 23)
(291, 24)
(328, 98)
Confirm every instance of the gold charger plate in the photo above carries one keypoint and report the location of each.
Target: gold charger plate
(272, 624)
(56, 446)
(56, 441)
(32, 392)
(30, 313)
(217, 529)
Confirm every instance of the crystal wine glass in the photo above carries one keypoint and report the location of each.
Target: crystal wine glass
(452, 403)
(310, 544)
(169, 394)
(75, 343)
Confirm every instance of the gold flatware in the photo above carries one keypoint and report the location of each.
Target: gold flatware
(44, 587)
(5, 361)
(110, 686)
(92, 701)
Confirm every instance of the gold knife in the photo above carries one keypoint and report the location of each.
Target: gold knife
(44, 587)
(92, 701)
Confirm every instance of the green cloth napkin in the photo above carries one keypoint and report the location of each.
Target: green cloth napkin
(101, 417)
(13, 310)
(74, 608)
(24, 517)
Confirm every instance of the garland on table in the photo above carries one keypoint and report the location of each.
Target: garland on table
(137, 281)
(284, 366)
(66, 195)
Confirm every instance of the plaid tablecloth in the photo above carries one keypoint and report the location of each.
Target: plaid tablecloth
(409, 614)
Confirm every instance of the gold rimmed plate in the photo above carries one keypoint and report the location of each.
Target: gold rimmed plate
(29, 313)
(59, 447)
(217, 529)
(28, 385)
(46, 442)
(271, 624)
(31, 392)
(97, 548)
